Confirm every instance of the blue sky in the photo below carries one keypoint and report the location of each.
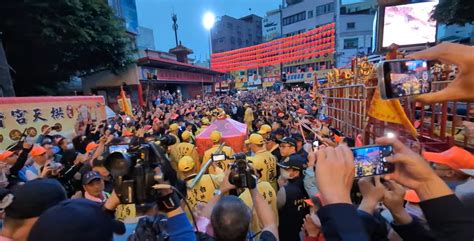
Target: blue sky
(156, 14)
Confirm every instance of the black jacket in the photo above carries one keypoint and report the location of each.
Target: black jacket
(448, 218)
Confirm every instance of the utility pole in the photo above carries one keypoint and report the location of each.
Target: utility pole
(6, 84)
(175, 27)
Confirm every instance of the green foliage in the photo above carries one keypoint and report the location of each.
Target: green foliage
(47, 42)
(454, 12)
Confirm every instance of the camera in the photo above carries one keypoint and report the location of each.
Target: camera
(241, 175)
(167, 140)
(135, 172)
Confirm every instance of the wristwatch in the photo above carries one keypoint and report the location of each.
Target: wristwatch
(217, 192)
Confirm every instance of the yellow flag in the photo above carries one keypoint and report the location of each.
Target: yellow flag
(390, 111)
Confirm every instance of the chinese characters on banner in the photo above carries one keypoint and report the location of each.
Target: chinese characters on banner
(35, 114)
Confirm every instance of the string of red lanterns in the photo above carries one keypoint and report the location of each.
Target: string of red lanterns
(313, 43)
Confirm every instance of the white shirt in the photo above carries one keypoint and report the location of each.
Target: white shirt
(30, 174)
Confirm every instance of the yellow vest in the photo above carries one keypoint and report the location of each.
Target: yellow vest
(264, 163)
(222, 165)
(173, 151)
(183, 149)
(248, 116)
(204, 189)
(269, 194)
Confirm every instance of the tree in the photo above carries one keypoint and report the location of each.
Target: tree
(454, 12)
(47, 42)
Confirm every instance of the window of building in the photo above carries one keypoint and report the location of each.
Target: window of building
(247, 43)
(294, 18)
(351, 25)
(232, 40)
(351, 43)
(324, 9)
(310, 14)
(230, 26)
(250, 37)
(221, 40)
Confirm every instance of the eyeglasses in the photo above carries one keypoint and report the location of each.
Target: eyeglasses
(438, 168)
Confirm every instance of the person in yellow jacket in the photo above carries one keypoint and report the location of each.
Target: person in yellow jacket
(265, 131)
(203, 191)
(204, 124)
(248, 117)
(228, 151)
(185, 148)
(173, 131)
(269, 194)
(264, 162)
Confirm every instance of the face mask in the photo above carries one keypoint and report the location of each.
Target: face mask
(70, 146)
(285, 174)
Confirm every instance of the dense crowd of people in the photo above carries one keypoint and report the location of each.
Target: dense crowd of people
(295, 182)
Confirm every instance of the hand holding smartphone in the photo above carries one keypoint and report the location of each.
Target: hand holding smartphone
(401, 77)
(371, 160)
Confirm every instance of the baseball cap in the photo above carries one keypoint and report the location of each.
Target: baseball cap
(456, 158)
(411, 196)
(89, 177)
(174, 127)
(6, 154)
(289, 140)
(279, 131)
(127, 133)
(216, 136)
(294, 162)
(186, 163)
(255, 139)
(272, 137)
(37, 151)
(186, 135)
(205, 121)
(338, 138)
(92, 145)
(297, 137)
(264, 129)
(35, 197)
(90, 222)
(302, 111)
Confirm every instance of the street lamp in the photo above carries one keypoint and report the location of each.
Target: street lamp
(208, 21)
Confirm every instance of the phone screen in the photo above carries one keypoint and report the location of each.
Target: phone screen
(406, 78)
(370, 160)
(218, 157)
(118, 148)
(315, 145)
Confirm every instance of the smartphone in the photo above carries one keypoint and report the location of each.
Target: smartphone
(400, 77)
(218, 157)
(371, 160)
(315, 145)
(118, 148)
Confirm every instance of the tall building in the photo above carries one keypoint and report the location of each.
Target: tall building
(354, 37)
(300, 16)
(145, 40)
(271, 25)
(230, 33)
(126, 10)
